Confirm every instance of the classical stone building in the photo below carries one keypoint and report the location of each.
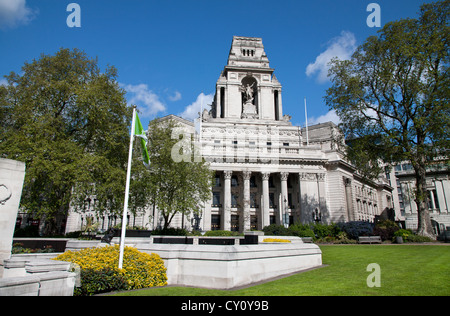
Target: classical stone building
(267, 170)
(402, 179)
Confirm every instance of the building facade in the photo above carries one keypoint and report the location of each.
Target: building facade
(403, 181)
(266, 169)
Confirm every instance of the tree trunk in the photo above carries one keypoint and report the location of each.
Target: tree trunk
(425, 227)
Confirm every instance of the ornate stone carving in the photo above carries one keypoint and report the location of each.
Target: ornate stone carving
(284, 176)
(227, 174)
(307, 176)
(246, 175)
(321, 177)
(265, 176)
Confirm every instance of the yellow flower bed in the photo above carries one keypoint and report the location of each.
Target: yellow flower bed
(275, 240)
(140, 270)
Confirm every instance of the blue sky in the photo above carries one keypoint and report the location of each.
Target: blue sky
(169, 53)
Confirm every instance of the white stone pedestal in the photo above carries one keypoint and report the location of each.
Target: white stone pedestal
(12, 174)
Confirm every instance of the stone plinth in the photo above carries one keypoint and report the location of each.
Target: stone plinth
(12, 174)
(227, 267)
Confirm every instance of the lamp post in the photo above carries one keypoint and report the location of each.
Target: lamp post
(317, 216)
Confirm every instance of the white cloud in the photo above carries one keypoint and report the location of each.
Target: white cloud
(147, 101)
(330, 116)
(175, 97)
(14, 13)
(191, 111)
(3, 82)
(342, 47)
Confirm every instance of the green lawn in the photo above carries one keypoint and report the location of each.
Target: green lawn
(405, 270)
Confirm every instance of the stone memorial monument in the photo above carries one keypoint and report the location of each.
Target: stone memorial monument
(12, 174)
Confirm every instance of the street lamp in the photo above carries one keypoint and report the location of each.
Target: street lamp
(317, 216)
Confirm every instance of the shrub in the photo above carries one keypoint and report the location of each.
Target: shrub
(170, 232)
(323, 230)
(418, 238)
(355, 229)
(221, 233)
(405, 233)
(342, 238)
(385, 229)
(18, 248)
(301, 230)
(100, 272)
(100, 281)
(276, 230)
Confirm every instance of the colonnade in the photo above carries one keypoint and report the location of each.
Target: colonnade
(282, 198)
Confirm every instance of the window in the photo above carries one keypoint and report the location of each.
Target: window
(286, 144)
(253, 222)
(215, 222)
(271, 200)
(436, 200)
(234, 223)
(253, 203)
(407, 167)
(271, 185)
(234, 181)
(269, 143)
(217, 181)
(253, 182)
(216, 199)
(234, 200)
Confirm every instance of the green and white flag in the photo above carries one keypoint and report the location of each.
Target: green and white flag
(139, 132)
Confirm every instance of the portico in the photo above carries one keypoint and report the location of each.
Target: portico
(250, 200)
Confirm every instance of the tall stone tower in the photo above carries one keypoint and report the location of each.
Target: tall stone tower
(247, 88)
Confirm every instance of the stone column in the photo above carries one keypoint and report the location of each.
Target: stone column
(308, 195)
(264, 208)
(433, 202)
(349, 198)
(12, 174)
(226, 214)
(206, 218)
(283, 209)
(322, 197)
(446, 191)
(441, 196)
(245, 220)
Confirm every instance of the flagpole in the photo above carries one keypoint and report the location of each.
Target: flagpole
(306, 121)
(127, 191)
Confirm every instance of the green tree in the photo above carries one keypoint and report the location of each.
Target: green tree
(393, 98)
(177, 186)
(69, 123)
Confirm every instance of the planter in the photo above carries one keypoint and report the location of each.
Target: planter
(398, 239)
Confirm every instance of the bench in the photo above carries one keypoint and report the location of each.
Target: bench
(369, 239)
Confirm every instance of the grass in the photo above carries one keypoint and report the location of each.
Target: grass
(405, 270)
